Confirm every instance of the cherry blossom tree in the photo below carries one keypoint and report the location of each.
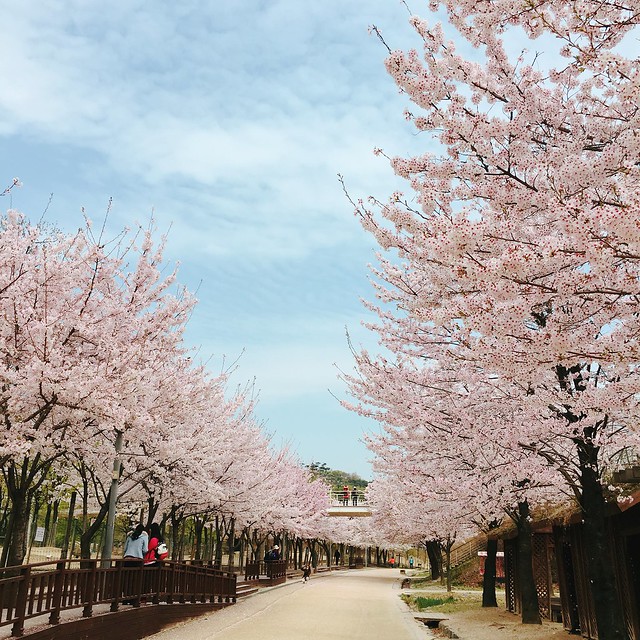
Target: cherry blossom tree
(83, 329)
(517, 255)
(93, 355)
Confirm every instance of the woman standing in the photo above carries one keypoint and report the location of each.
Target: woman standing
(136, 546)
(155, 539)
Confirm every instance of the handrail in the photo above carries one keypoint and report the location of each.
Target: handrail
(274, 570)
(348, 499)
(44, 588)
(466, 550)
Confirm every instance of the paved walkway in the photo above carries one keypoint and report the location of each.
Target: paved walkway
(361, 604)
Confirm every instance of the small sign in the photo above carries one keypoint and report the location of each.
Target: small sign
(39, 534)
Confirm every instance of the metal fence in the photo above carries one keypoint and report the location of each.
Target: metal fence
(348, 498)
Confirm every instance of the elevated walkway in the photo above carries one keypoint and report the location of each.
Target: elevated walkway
(349, 511)
(348, 505)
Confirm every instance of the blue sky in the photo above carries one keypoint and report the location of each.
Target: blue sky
(229, 121)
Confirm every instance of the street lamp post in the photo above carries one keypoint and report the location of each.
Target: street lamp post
(107, 548)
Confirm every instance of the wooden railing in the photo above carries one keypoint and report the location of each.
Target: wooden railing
(276, 571)
(47, 588)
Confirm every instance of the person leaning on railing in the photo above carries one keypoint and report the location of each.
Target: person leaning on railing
(157, 549)
(136, 546)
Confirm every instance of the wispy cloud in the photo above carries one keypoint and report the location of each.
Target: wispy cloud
(230, 120)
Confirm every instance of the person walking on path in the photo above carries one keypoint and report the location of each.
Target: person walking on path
(336, 557)
(306, 572)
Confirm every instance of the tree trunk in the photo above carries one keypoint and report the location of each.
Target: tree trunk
(89, 533)
(47, 524)
(241, 554)
(435, 558)
(530, 608)
(17, 546)
(22, 480)
(67, 535)
(231, 546)
(326, 547)
(175, 533)
(32, 528)
(489, 578)
(217, 562)
(53, 529)
(297, 555)
(4, 518)
(607, 605)
(199, 528)
(448, 561)
(152, 510)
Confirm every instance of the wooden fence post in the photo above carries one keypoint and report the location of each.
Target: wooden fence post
(157, 582)
(139, 579)
(194, 584)
(21, 601)
(58, 587)
(89, 589)
(171, 586)
(118, 587)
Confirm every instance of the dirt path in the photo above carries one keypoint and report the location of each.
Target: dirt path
(498, 624)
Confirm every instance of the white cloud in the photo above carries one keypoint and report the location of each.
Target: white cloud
(231, 121)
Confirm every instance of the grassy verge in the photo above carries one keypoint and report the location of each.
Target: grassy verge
(443, 602)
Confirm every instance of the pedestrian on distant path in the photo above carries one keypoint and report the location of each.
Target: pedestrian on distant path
(306, 572)
(336, 557)
(135, 546)
(354, 496)
(345, 496)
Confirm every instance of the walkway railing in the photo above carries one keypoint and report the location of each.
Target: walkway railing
(45, 588)
(275, 571)
(350, 498)
(465, 551)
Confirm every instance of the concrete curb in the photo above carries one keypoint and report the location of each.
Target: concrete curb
(447, 632)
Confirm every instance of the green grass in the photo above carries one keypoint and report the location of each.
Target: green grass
(423, 603)
(443, 602)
